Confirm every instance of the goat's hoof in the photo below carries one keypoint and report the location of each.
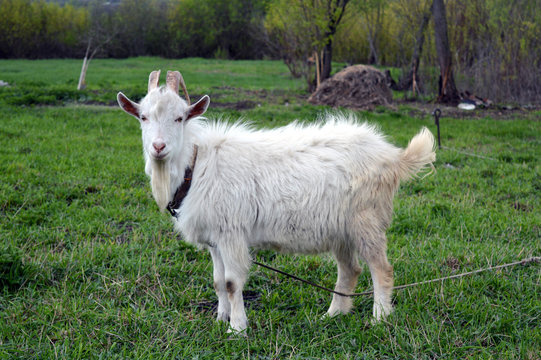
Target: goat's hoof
(329, 315)
(379, 317)
(234, 333)
(376, 322)
(335, 312)
(222, 317)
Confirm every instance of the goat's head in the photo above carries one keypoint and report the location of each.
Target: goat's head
(163, 115)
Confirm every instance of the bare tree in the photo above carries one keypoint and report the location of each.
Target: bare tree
(411, 80)
(373, 13)
(447, 89)
(100, 32)
(302, 34)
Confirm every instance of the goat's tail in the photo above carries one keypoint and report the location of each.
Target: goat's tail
(419, 153)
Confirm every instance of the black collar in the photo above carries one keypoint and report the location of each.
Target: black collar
(183, 189)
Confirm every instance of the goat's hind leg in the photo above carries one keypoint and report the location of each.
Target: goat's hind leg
(348, 273)
(224, 307)
(382, 277)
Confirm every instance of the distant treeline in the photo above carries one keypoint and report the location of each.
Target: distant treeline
(171, 28)
(495, 43)
(37, 29)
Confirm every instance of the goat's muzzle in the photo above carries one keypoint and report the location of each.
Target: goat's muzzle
(159, 151)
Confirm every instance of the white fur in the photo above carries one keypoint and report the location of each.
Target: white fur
(325, 187)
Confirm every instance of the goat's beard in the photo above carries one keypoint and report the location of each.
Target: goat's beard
(161, 183)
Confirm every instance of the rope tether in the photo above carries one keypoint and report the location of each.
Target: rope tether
(369, 292)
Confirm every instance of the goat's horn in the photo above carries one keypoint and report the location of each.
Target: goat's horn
(153, 79)
(183, 85)
(172, 80)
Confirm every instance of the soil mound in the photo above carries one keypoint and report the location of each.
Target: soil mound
(355, 87)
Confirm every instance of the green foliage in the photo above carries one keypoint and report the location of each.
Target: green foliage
(206, 28)
(302, 32)
(292, 31)
(379, 20)
(190, 30)
(36, 28)
(91, 269)
(496, 43)
(142, 28)
(498, 47)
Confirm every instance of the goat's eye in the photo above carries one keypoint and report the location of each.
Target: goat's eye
(179, 119)
(144, 118)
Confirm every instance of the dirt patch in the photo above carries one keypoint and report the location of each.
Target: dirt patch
(252, 98)
(496, 112)
(521, 207)
(355, 87)
(239, 105)
(453, 263)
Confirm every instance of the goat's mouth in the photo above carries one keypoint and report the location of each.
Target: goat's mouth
(159, 156)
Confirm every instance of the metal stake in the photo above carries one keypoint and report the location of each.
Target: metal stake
(437, 114)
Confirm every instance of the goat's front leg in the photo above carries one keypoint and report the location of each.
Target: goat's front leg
(237, 262)
(224, 307)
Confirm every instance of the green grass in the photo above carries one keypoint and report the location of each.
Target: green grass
(90, 269)
(55, 81)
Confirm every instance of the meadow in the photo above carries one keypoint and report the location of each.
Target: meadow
(89, 268)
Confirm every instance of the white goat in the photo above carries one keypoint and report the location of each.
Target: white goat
(326, 187)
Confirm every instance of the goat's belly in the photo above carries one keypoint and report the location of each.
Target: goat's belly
(289, 249)
(296, 243)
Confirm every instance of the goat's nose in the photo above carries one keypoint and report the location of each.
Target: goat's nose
(158, 146)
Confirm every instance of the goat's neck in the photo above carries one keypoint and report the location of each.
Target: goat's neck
(168, 175)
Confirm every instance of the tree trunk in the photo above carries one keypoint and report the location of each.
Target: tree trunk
(373, 58)
(448, 93)
(335, 11)
(89, 56)
(417, 52)
(373, 25)
(411, 81)
(326, 65)
(318, 69)
(82, 84)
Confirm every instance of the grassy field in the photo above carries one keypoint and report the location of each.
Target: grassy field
(90, 269)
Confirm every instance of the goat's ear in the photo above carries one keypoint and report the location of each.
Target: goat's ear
(127, 105)
(198, 108)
